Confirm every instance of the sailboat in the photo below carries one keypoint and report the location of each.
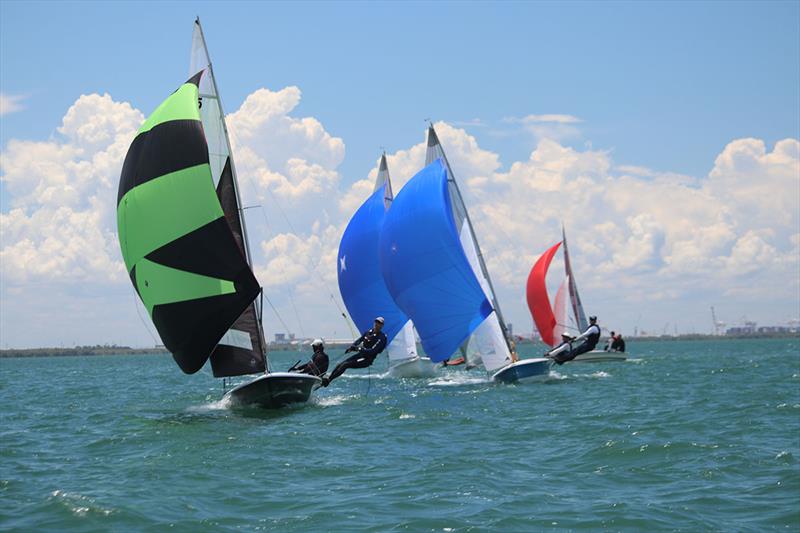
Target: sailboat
(184, 242)
(552, 321)
(363, 288)
(435, 271)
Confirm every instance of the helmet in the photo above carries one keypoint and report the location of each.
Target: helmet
(593, 318)
(379, 319)
(317, 342)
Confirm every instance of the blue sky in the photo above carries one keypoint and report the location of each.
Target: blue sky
(665, 87)
(662, 84)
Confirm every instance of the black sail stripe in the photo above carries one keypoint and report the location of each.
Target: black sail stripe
(177, 323)
(210, 250)
(167, 147)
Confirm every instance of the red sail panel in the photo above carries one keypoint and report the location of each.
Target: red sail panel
(538, 301)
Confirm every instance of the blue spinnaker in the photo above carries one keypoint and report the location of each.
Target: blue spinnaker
(360, 279)
(425, 267)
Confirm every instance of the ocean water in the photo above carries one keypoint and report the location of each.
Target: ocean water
(684, 436)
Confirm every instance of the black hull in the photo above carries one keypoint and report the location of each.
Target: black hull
(274, 390)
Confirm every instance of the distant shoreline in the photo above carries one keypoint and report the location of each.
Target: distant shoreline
(126, 350)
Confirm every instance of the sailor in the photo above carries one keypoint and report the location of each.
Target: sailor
(609, 343)
(566, 352)
(619, 344)
(367, 346)
(318, 364)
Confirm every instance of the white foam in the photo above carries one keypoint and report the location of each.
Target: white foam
(405, 416)
(328, 401)
(222, 404)
(456, 379)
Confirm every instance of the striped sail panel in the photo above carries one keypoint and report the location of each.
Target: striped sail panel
(538, 301)
(574, 297)
(179, 251)
(241, 350)
(425, 268)
(361, 282)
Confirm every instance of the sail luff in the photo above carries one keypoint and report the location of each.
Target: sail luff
(433, 143)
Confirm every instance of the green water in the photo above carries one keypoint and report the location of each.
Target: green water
(684, 436)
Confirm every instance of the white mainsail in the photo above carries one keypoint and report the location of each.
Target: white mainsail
(560, 309)
(220, 155)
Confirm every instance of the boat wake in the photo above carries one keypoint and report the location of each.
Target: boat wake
(329, 401)
(222, 404)
(460, 378)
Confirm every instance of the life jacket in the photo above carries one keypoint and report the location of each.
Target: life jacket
(593, 338)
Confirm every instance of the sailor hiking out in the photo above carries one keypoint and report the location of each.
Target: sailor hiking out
(318, 364)
(566, 352)
(367, 346)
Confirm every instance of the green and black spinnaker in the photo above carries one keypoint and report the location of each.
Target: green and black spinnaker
(182, 257)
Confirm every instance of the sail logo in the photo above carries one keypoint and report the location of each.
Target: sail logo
(342, 264)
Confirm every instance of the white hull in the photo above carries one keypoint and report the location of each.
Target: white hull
(599, 356)
(418, 367)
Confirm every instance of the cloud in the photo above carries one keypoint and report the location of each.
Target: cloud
(640, 238)
(10, 103)
(62, 225)
(538, 119)
(549, 126)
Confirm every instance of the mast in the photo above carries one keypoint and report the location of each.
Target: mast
(433, 140)
(248, 254)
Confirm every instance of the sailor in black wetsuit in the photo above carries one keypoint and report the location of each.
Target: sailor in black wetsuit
(589, 339)
(318, 364)
(368, 346)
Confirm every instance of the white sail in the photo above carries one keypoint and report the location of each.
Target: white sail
(404, 344)
(487, 343)
(210, 106)
(220, 156)
(560, 309)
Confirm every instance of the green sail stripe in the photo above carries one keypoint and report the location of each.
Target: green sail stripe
(181, 105)
(161, 210)
(159, 284)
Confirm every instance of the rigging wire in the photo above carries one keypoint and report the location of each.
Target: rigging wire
(136, 306)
